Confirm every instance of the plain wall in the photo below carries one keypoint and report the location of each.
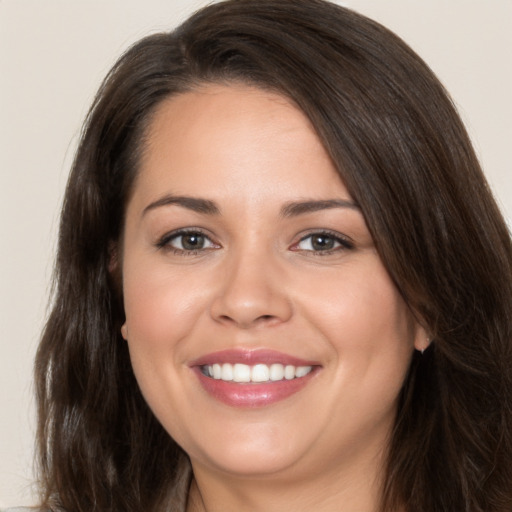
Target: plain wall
(53, 55)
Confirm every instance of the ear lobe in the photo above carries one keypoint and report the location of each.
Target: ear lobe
(124, 332)
(421, 339)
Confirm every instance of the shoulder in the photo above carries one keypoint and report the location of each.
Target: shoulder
(21, 509)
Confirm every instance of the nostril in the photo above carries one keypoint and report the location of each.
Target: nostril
(267, 320)
(250, 305)
(247, 323)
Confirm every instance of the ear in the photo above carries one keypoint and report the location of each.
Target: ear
(113, 258)
(421, 338)
(114, 269)
(114, 266)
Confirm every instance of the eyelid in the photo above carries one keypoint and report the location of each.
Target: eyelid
(345, 242)
(164, 242)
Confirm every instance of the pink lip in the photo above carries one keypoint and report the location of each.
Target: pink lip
(251, 394)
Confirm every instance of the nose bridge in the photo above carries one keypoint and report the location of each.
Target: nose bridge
(252, 291)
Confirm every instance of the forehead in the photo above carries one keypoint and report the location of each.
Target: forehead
(236, 141)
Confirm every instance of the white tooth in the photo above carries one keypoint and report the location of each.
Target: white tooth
(227, 372)
(302, 371)
(289, 372)
(217, 371)
(260, 373)
(210, 370)
(241, 373)
(276, 372)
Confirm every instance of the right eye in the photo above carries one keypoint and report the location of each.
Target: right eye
(190, 242)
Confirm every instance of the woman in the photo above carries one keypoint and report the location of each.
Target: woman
(282, 281)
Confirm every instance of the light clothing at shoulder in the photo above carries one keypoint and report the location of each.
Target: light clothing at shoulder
(20, 509)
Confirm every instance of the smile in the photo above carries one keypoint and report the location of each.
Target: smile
(253, 378)
(244, 373)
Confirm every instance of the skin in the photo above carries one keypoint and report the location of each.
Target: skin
(257, 283)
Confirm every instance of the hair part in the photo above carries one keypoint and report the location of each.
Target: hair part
(405, 157)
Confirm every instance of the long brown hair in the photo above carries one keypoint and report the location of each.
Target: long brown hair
(404, 156)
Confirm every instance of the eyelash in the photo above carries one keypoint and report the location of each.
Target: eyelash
(344, 243)
(165, 242)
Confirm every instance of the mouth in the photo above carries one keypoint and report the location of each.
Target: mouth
(255, 378)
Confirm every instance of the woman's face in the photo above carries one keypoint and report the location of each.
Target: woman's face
(244, 257)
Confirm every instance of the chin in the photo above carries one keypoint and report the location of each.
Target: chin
(249, 465)
(260, 456)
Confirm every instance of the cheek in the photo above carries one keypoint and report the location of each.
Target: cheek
(161, 307)
(369, 332)
(367, 327)
(359, 306)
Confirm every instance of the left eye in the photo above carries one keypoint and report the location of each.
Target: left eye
(193, 241)
(320, 242)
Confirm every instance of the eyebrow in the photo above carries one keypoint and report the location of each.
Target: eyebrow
(296, 208)
(208, 207)
(195, 204)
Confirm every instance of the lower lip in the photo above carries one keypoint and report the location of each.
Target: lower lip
(251, 394)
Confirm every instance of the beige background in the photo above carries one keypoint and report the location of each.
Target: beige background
(53, 54)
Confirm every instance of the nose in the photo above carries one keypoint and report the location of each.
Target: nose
(251, 292)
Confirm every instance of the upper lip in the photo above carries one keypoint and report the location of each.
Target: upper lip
(251, 357)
